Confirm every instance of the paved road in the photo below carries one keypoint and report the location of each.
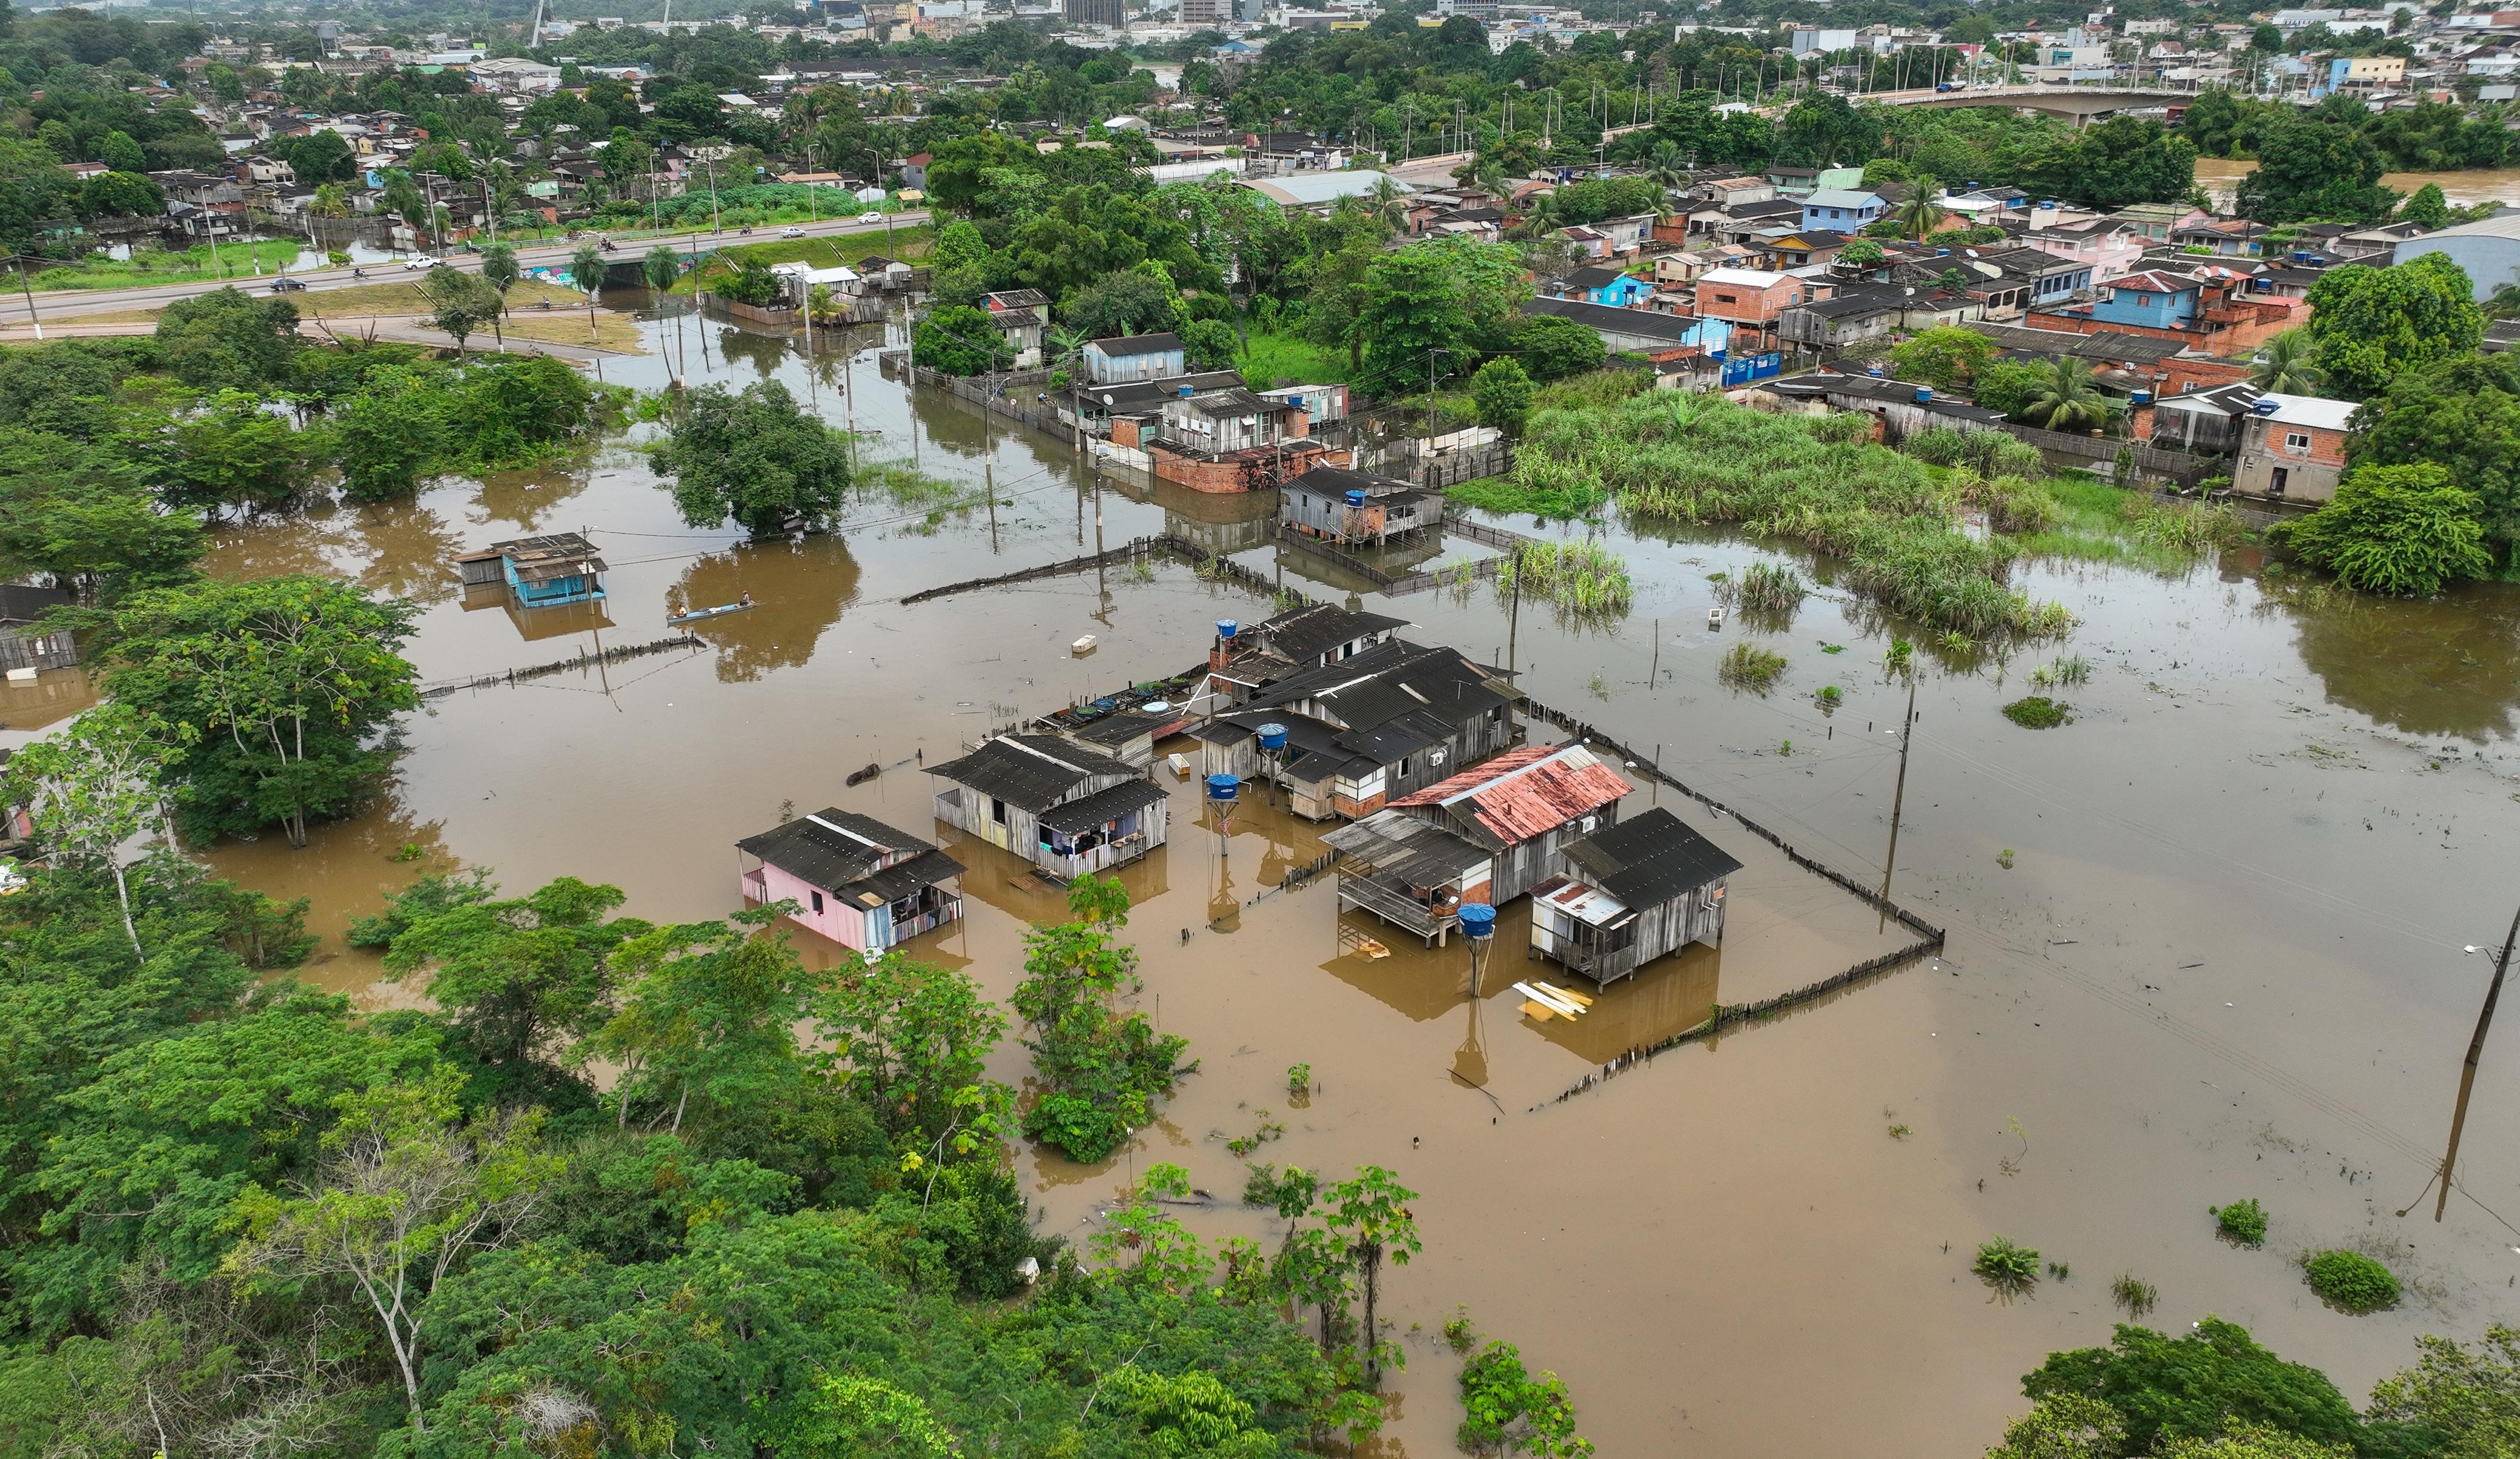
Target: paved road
(69, 305)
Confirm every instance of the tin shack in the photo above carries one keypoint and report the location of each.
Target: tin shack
(1521, 806)
(1068, 809)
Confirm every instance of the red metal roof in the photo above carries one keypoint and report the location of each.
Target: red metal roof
(1526, 792)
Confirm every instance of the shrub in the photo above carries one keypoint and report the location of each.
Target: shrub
(2037, 712)
(2405, 531)
(1583, 579)
(1752, 668)
(2350, 1280)
(1771, 588)
(2242, 1220)
(2004, 1265)
(2133, 1294)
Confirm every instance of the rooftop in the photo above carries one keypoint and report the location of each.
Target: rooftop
(2316, 410)
(1030, 771)
(1649, 859)
(1522, 793)
(833, 848)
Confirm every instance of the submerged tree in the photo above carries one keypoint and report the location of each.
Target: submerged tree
(758, 457)
(1101, 1070)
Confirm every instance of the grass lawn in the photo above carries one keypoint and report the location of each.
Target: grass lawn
(234, 261)
(403, 295)
(1268, 359)
(616, 333)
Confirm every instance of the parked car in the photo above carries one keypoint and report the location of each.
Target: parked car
(870, 218)
(422, 261)
(286, 285)
(791, 233)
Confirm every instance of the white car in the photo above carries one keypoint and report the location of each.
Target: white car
(791, 233)
(422, 261)
(870, 218)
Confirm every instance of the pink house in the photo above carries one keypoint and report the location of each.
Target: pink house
(853, 879)
(2111, 252)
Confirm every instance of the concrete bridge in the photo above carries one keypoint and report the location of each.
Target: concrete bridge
(2077, 104)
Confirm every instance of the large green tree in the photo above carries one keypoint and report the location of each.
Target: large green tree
(2371, 323)
(1431, 306)
(2461, 414)
(2403, 531)
(2313, 167)
(282, 693)
(2193, 1386)
(757, 457)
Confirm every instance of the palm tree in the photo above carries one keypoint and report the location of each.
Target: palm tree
(1921, 212)
(2286, 365)
(2506, 302)
(2067, 400)
(1389, 204)
(661, 268)
(586, 271)
(1668, 168)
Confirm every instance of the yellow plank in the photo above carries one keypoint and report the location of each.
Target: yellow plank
(1539, 1011)
(1569, 994)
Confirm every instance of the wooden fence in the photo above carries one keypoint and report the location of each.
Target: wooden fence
(990, 394)
(442, 689)
(1214, 566)
(2177, 466)
(1929, 938)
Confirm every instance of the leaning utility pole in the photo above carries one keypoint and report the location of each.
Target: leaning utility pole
(2467, 1073)
(1898, 799)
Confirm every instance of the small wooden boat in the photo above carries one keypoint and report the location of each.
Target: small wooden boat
(703, 615)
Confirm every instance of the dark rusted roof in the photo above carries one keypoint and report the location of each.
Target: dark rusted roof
(1649, 859)
(1524, 792)
(833, 848)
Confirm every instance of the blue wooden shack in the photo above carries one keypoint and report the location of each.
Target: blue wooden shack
(539, 572)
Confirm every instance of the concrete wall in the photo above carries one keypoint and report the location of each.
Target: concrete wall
(2490, 262)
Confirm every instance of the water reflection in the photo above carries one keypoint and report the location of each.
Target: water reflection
(765, 353)
(529, 497)
(51, 697)
(798, 586)
(557, 621)
(2444, 666)
(413, 551)
(999, 878)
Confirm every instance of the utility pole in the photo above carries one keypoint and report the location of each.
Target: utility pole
(1898, 799)
(2467, 1073)
(28, 290)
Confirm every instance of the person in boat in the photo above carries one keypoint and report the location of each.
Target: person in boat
(745, 602)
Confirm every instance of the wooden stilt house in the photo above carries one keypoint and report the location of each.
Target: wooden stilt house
(1064, 808)
(854, 879)
(539, 571)
(1410, 873)
(1521, 806)
(1628, 894)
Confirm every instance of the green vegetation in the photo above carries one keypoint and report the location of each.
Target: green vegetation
(2133, 1294)
(2037, 712)
(1987, 453)
(2350, 1280)
(757, 457)
(2403, 531)
(1512, 1411)
(2461, 414)
(1830, 696)
(1580, 579)
(2071, 669)
(1747, 666)
(1672, 456)
(1269, 359)
(2193, 1386)
(233, 262)
(2244, 1221)
(1503, 394)
(1299, 1080)
(2369, 324)
(1767, 588)
(1102, 1071)
(2006, 1266)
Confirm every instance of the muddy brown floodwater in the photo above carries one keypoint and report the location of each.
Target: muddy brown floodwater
(2205, 941)
(2465, 187)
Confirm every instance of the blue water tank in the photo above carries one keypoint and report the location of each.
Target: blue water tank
(2140, 397)
(1356, 499)
(1226, 628)
(1273, 736)
(1223, 788)
(1925, 394)
(1478, 919)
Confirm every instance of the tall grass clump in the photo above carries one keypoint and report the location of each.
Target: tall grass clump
(1748, 667)
(1581, 579)
(1699, 459)
(1769, 588)
(1989, 453)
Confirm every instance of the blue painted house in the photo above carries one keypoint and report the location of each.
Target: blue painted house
(2152, 300)
(1121, 360)
(1844, 209)
(1615, 287)
(539, 572)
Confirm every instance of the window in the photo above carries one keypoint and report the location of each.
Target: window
(818, 902)
(996, 810)
(2296, 440)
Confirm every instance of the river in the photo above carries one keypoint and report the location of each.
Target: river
(2205, 941)
(2466, 187)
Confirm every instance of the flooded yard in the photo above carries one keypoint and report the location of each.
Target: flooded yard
(2206, 940)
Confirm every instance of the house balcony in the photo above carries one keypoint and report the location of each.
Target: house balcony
(1397, 908)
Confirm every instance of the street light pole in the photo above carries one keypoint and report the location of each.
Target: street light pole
(28, 290)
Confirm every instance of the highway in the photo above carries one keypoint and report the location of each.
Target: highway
(69, 305)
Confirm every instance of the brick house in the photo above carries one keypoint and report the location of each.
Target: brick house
(2292, 447)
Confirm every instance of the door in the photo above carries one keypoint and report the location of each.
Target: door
(2278, 479)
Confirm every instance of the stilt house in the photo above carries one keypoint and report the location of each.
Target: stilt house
(854, 879)
(1521, 806)
(539, 571)
(1410, 873)
(1068, 809)
(1628, 894)
(1244, 661)
(1365, 729)
(1356, 508)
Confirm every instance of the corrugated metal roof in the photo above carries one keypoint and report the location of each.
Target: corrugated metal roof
(1031, 772)
(1649, 859)
(831, 847)
(1525, 792)
(1102, 806)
